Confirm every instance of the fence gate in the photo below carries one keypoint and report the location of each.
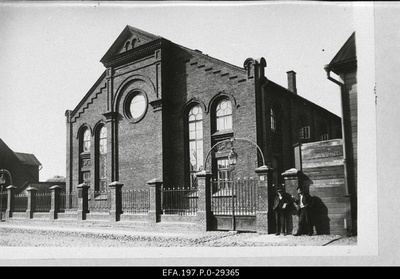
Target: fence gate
(233, 204)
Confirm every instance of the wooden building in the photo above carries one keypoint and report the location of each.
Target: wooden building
(344, 64)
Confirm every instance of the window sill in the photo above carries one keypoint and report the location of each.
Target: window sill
(85, 154)
(223, 133)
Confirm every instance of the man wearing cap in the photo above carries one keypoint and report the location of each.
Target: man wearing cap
(282, 208)
(305, 222)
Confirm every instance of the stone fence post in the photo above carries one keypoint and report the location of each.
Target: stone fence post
(83, 197)
(55, 201)
(31, 202)
(204, 214)
(116, 201)
(10, 201)
(155, 200)
(264, 185)
(292, 181)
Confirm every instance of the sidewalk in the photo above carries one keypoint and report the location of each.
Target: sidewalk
(68, 235)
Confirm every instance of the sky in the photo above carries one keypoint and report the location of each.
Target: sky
(50, 54)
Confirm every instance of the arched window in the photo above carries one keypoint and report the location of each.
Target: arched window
(223, 115)
(101, 156)
(127, 45)
(195, 123)
(86, 140)
(84, 156)
(134, 43)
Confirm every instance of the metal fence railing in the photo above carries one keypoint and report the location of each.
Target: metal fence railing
(68, 201)
(20, 202)
(181, 201)
(42, 202)
(238, 197)
(136, 201)
(99, 201)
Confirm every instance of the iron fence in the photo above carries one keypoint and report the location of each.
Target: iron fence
(3, 201)
(135, 201)
(20, 202)
(42, 202)
(234, 197)
(68, 201)
(99, 201)
(180, 201)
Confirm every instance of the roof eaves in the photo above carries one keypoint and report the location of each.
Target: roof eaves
(293, 95)
(206, 56)
(28, 159)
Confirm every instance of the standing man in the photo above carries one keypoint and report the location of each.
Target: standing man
(305, 221)
(282, 206)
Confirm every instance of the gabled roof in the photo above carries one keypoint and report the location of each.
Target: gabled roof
(346, 56)
(28, 159)
(129, 33)
(24, 158)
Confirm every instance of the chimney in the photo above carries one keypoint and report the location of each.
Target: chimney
(291, 77)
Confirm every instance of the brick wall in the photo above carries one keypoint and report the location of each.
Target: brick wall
(189, 76)
(140, 156)
(89, 114)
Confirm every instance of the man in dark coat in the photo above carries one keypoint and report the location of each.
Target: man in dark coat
(282, 206)
(305, 221)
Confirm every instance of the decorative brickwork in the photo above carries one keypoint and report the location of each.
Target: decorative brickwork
(172, 78)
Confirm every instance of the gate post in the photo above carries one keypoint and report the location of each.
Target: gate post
(10, 201)
(155, 200)
(264, 182)
(31, 202)
(204, 200)
(292, 182)
(116, 201)
(55, 201)
(82, 201)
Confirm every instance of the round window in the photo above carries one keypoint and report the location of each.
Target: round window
(136, 106)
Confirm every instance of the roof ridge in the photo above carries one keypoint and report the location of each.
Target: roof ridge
(219, 61)
(135, 29)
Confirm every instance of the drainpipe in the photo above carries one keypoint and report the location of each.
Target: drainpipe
(341, 85)
(344, 135)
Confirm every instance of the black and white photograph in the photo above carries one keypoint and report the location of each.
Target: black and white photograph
(180, 133)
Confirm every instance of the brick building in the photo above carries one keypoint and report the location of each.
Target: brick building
(159, 107)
